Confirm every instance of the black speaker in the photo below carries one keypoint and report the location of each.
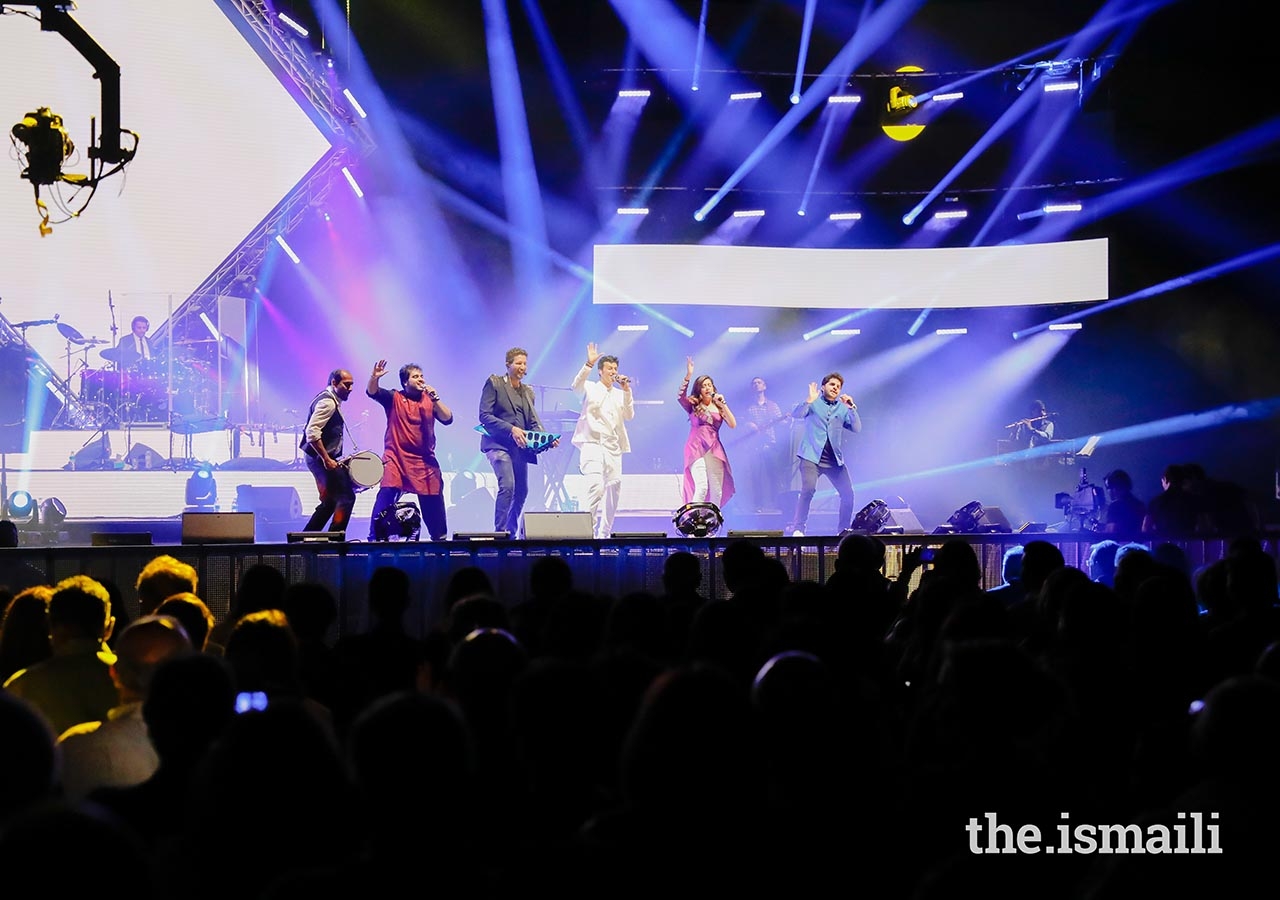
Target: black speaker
(902, 521)
(994, 521)
(217, 528)
(271, 503)
(94, 455)
(143, 457)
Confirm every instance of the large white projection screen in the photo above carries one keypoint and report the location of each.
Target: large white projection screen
(222, 142)
(806, 278)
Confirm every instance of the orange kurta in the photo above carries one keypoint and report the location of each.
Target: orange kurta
(409, 446)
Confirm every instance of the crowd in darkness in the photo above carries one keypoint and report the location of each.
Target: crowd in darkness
(795, 737)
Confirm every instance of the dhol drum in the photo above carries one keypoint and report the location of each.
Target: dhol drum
(365, 468)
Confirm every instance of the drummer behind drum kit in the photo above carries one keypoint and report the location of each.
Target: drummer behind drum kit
(117, 396)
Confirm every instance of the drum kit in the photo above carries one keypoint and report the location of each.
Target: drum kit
(117, 395)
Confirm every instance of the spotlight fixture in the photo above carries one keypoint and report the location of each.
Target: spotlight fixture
(20, 508)
(746, 95)
(839, 99)
(633, 210)
(52, 512)
(845, 332)
(202, 488)
(296, 26)
(700, 519)
(402, 522)
(355, 104)
(871, 517)
(744, 329)
(1066, 326)
(634, 94)
(633, 327)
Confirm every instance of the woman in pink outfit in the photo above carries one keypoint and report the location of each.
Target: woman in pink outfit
(707, 476)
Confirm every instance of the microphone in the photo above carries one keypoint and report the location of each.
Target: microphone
(718, 398)
(625, 379)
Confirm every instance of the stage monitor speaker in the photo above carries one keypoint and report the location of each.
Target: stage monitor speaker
(994, 521)
(217, 528)
(143, 457)
(271, 503)
(553, 526)
(481, 535)
(120, 538)
(315, 537)
(901, 521)
(94, 455)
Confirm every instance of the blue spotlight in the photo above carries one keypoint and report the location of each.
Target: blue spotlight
(202, 488)
(21, 507)
(699, 216)
(52, 511)
(795, 98)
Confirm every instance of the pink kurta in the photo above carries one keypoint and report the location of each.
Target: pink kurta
(704, 438)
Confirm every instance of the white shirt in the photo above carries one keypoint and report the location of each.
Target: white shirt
(604, 410)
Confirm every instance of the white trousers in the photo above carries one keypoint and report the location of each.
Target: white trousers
(708, 479)
(604, 485)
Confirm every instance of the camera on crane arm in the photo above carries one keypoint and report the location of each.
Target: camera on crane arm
(48, 145)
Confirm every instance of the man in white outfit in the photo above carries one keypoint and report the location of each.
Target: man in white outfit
(601, 435)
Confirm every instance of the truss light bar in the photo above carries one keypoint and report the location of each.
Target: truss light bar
(638, 94)
(844, 98)
(633, 327)
(844, 217)
(1062, 207)
(744, 329)
(845, 332)
(951, 214)
(746, 95)
(284, 245)
(1066, 326)
(1054, 87)
(296, 26)
(355, 104)
(208, 323)
(942, 98)
(946, 331)
(748, 213)
(633, 210)
(351, 180)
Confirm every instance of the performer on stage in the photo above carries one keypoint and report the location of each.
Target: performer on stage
(409, 446)
(1035, 429)
(601, 435)
(135, 347)
(322, 442)
(765, 460)
(507, 412)
(827, 416)
(707, 476)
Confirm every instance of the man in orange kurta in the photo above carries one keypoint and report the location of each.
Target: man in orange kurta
(409, 447)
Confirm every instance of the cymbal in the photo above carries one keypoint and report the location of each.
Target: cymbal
(111, 353)
(70, 333)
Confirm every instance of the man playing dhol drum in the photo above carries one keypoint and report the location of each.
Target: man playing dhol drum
(409, 449)
(322, 441)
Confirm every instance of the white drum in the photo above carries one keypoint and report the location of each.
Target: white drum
(365, 468)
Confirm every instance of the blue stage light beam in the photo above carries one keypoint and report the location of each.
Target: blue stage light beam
(806, 31)
(561, 83)
(698, 45)
(1240, 262)
(519, 171)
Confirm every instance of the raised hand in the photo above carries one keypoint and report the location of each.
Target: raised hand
(380, 368)
(593, 354)
(813, 391)
(688, 372)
